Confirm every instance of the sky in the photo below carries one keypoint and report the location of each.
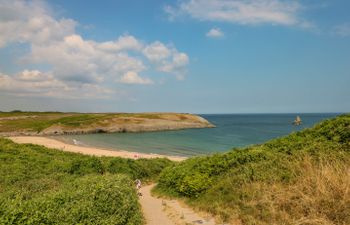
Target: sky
(196, 56)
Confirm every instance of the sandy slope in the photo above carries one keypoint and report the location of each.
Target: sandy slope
(159, 211)
(52, 143)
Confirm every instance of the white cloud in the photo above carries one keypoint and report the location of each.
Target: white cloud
(133, 78)
(281, 12)
(36, 83)
(178, 60)
(29, 21)
(156, 52)
(342, 30)
(77, 59)
(215, 33)
(125, 42)
(31, 75)
(167, 58)
(72, 60)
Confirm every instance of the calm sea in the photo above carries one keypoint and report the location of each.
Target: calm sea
(232, 130)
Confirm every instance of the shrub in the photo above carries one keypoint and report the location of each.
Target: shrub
(108, 199)
(86, 166)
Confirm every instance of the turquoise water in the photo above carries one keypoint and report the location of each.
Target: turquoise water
(232, 130)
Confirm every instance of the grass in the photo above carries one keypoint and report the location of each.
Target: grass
(302, 178)
(38, 121)
(45, 186)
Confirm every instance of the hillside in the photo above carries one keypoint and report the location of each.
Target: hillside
(303, 178)
(46, 186)
(56, 123)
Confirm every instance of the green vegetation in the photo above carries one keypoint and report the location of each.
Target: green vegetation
(45, 186)
(302, 178)
(17, 121)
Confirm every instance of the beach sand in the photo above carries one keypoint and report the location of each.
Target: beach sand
(52, 143)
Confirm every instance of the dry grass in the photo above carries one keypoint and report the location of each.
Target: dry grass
(319, 196)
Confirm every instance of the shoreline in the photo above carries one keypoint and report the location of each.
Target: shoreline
(59, 145)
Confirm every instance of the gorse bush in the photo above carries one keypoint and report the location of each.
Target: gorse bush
(241, 185)
(146, 169)
(86, 166)
(46, 186)
(90, 199)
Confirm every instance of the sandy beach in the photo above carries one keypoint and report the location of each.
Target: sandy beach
(52, 143)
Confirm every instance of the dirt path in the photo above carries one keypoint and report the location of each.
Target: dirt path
(159, 211)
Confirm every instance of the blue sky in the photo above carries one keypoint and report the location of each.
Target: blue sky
(198, 56)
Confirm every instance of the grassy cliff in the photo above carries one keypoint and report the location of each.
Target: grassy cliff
(45, 186)
(56, 123)
(303, 178)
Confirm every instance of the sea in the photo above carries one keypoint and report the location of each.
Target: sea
(231, 131)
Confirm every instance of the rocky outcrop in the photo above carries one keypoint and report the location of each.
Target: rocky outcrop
(128, 125)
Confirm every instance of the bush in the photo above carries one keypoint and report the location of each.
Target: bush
(88, 200)
(146, 169)
(86, 166)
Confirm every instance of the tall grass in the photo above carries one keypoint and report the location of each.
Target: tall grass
(320, 195)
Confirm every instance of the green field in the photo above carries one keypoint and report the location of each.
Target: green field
(303, 178)
(45, 186)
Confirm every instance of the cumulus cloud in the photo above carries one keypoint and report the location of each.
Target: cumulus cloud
(125, 42)
(29, 21)
(281, 12)
(77, 59)
(156, 51)
(133, 78)
(166, 58)
(36, 83)
(73, 61)
(215, 33)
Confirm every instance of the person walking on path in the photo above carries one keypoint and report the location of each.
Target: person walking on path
(138, 186)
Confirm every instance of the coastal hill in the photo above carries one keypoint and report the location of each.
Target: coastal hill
(57, 123)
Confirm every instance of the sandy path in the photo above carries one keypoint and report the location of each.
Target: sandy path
(159, 211)
(52, 143)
